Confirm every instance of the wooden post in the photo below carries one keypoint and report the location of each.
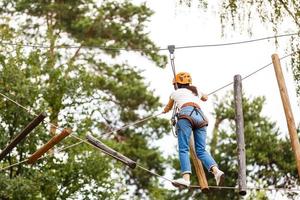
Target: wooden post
(198, 167)
(21, 136)
(287, 110)
(109, 151)
(239, 120)
(53, 141)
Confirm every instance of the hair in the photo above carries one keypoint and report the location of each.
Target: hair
(189, 87)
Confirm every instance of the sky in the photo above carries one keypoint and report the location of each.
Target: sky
(214, 67)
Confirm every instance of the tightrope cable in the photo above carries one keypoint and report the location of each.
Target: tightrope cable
(18, 104)
(235, 43)
(119, 129)
(12, 165)
(139, 121)
(72, 135)
(153, 173)
(222, 187)
(144, 49)
(147, 118)
(254, 72)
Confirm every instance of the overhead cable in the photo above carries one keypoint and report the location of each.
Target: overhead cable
(65, 46)
(252, 73)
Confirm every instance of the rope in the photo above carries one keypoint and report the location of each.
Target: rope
(28, 110)
(249, 188)
(254, 72)
(220, 187)
(153, 173)
(116, 130)
(23, 161)
(171, 49)
(235, 43)
(81, 141)
(72, 135)
(12, 165)
(143, 49)
(147, 118)
(139, 166)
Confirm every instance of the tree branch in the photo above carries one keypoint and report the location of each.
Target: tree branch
(290, 13)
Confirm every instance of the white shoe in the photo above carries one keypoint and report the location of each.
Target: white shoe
(181, 182)
(220, 176)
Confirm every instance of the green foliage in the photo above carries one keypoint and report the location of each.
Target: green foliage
(18, 188)
(296, 67)
(78, 88)
(272, 13)
(112, 25)
(269, 157)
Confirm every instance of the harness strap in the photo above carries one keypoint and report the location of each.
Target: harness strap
(190, 104)
(188, 117)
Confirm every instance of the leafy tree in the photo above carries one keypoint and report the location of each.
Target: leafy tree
(73, 76)
(269, 157)
(273, 14)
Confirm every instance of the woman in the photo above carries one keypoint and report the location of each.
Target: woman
(191, 118)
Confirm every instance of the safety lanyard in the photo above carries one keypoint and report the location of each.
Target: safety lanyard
(171, 49)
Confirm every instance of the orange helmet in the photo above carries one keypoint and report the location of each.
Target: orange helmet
(182, 78)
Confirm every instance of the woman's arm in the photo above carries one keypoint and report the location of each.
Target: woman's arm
(169, 106)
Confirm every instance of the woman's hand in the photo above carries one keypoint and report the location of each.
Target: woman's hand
(204, 97)
(165, 110)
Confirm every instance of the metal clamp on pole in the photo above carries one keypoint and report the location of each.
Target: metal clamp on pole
(171, 49)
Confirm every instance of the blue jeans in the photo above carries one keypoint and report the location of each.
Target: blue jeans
(184, 130)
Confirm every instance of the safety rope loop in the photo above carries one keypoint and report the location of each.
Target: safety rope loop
(171, 49)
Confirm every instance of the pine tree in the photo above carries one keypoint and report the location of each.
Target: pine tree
(72, 76)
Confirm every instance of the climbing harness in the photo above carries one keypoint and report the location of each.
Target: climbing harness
(196, 109)
(184, 78)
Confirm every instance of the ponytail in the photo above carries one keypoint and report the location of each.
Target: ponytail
(189, 87)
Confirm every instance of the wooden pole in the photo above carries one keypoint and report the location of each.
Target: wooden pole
(53, 141)
(198, 167)
(109, 151)
(21, 136)
(287, 110)
(239, 120)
